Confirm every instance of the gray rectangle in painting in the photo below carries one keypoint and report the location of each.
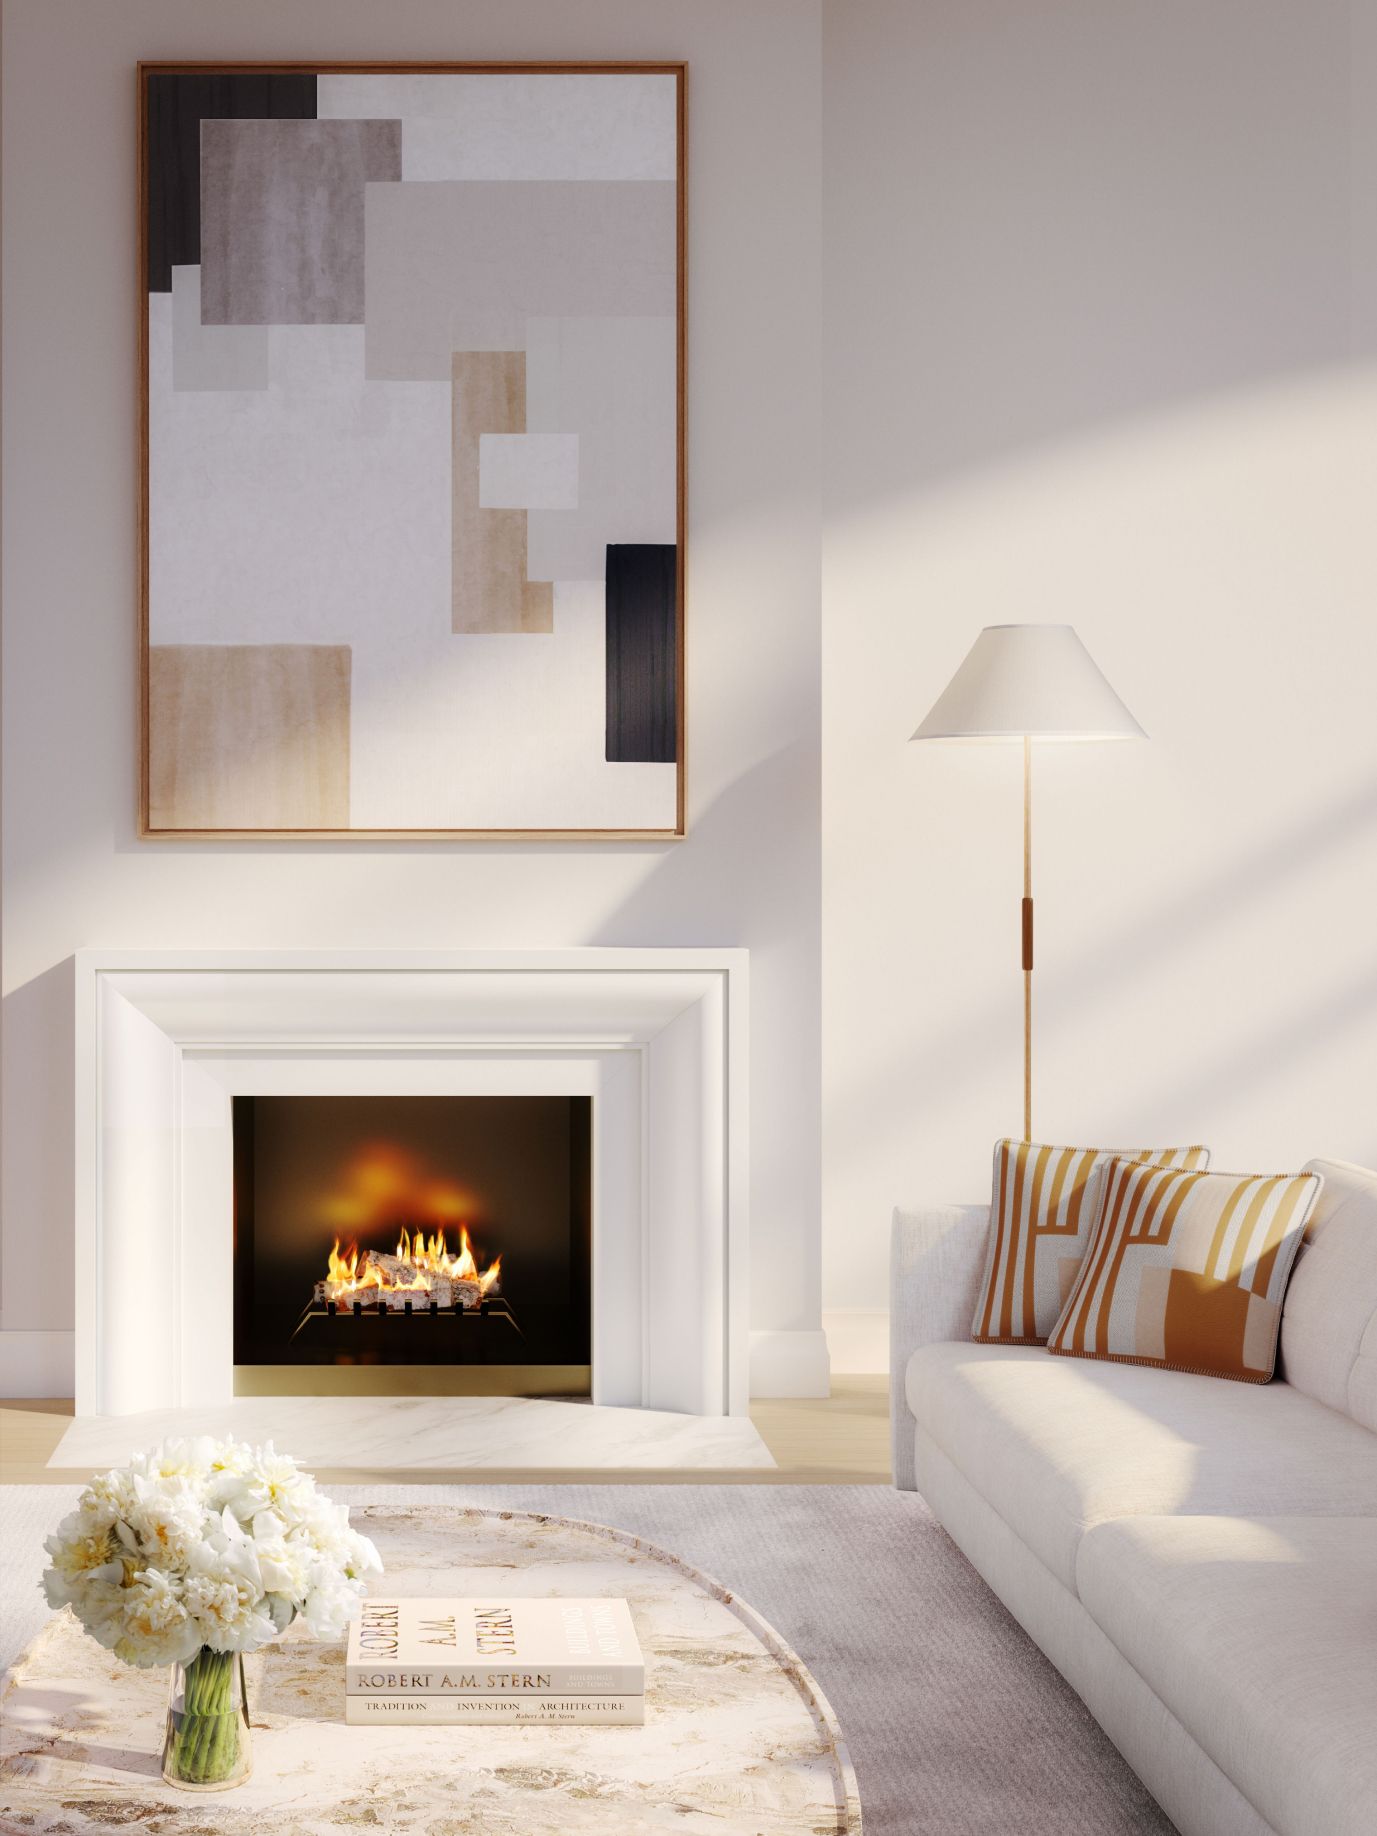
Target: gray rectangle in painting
(282, 218)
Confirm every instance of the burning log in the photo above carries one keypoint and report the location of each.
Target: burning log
(403, 1280)
(440, 1290)
(396, 1271)
(420, 1273)
(389, 1282)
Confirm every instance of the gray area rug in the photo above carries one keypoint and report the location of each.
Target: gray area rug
(958, 1726)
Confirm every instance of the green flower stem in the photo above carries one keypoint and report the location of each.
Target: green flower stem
(205, 1742)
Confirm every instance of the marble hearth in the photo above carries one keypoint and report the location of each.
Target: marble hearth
(404, 1435)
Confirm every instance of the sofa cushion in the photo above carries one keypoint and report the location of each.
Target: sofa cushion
(1059, 1444)
(1260, 1635)
(1329, 1323)
(1187, 1270)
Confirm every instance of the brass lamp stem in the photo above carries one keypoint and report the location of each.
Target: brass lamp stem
(1027, 938)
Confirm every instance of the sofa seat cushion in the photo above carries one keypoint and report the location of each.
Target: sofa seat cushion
(1058, 1444)
(1260, 1635)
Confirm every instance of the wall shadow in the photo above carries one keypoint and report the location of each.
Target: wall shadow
(36, 1244)
(1158, 933)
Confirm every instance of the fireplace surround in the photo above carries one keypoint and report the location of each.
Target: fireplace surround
(654, 1040)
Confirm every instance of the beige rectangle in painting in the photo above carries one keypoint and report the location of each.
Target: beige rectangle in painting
(491, 591)
(248, 736)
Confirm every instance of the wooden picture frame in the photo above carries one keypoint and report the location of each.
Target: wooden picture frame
(236, 721)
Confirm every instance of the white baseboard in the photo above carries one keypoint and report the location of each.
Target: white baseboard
(37, 1363)
(858, 1339)
(790, 1364)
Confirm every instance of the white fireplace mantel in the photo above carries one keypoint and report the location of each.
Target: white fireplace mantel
(164, 1040)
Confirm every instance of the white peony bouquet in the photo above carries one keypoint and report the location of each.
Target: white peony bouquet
(195, 1553)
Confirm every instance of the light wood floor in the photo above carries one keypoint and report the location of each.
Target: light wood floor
(842, 1439)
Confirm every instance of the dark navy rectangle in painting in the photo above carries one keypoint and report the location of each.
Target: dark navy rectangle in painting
(642, 690)
(177, 105)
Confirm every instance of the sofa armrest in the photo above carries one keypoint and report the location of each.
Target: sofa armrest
(936, 1260)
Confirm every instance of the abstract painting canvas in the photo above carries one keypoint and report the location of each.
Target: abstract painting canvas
(412, 356)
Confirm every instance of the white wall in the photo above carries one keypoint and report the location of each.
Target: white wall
(1100, 333)
(1101, 314)
(75, 875)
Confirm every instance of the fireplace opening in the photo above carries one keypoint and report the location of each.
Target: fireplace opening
(421, 1245)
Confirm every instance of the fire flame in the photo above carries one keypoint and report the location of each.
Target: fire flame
(351, 1274)
(432, 1254)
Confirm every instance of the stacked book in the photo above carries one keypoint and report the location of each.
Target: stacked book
(524, 1662)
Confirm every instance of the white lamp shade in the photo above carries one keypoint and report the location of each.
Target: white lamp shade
(1028, 682)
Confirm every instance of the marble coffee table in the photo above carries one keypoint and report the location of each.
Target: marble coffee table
(738, 1738)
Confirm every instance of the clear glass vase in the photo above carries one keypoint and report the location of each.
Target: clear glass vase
(207, 1746)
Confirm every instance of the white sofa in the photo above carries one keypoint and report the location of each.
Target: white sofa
(1197, 1557)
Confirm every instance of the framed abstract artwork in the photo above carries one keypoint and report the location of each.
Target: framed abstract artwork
(412, 509)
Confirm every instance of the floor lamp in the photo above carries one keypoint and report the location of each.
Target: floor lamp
(1026, 683)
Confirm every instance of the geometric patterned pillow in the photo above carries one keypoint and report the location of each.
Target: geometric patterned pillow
(1187, 1270)
(1042, 1210)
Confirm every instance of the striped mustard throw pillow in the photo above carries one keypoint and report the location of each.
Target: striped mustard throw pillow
(1042, 1211)
(1187, 1270)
